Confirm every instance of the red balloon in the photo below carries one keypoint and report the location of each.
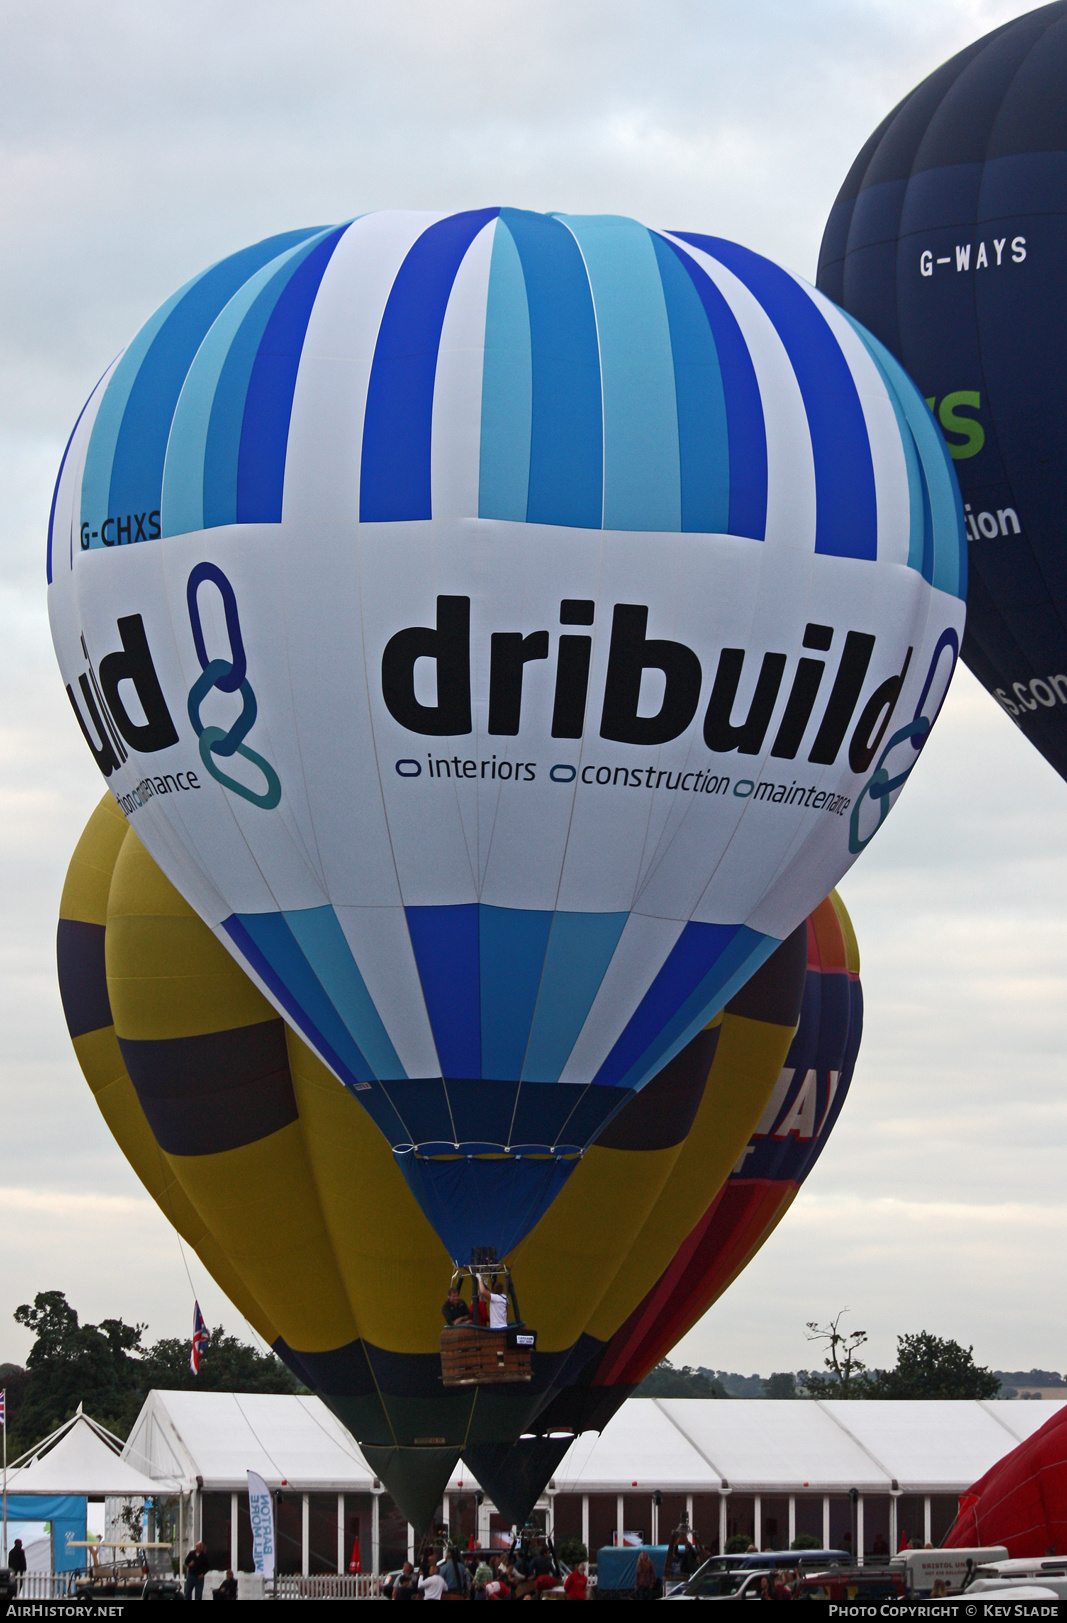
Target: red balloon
(1021, 1502)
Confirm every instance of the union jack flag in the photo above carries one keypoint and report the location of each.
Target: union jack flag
(3, 1408)
(200, 1339)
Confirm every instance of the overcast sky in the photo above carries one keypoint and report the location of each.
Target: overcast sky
(141, 142)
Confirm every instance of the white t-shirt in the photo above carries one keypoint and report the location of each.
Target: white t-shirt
(432, 1587)
(498, 1312)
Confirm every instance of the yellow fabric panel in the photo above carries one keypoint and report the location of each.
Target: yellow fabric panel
(564, 1265)
(852, 946)
(395, 1269)
(747, 1063)
(261, 1205)
(167, 975)
(89, 875)
(101, 1064)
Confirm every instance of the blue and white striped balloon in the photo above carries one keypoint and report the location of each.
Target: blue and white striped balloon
(504, 629)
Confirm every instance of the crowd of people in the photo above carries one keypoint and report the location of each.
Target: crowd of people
(523, 1572)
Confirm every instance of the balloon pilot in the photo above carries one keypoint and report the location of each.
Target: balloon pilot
(488, 1341)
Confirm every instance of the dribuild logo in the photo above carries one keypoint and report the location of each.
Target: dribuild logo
(632, 653)
(111, 732)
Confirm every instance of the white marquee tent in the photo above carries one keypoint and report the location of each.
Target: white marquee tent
(767, 1446)
(84, 1459)
(796, 1456)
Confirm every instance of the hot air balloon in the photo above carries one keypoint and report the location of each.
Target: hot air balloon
(502, 629)
(788, 1140)
(265, 1163)
(1021, 1501)
(947, 241)
(792, 1132)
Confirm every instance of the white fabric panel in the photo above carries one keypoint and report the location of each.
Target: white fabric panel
(401, 575)
(337, 759)
(326, 426)
(381, 946)
(280, 844)
(524, 827)
(457, 396)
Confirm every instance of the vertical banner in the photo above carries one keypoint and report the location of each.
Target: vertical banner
(261, 1515)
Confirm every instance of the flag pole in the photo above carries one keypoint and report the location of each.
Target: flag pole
(3, 1409)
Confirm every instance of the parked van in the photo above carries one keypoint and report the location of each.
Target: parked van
(922, 1568)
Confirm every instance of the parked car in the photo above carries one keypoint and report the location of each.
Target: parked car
(856, 1584)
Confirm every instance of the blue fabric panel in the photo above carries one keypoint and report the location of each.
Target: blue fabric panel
(222, 449)
(395, 469)
(100, 451)
(926, 566)
(445, 943)
(182, 501)
(617, 1567)
(340, 1371)
(473, 1202)
(563, 1115)
(423, 1103)
(269, 401)
(642, 479)
(141, 447)
(512, 947)
(55, 492)
(1023, 183)
(481, 1112)
(876, 214)
(65, 1511)
(705, 967)
(947, 568)
(747, 436)
(322, 941)
(580, 948)
(936, 198)
(846, 512)
(703, 439)
(566, 438)
(276, 946)
(507, 388)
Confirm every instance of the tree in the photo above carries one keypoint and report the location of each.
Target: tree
(845, 1371)
(929, 1367)
(667, 1382)
(781, 1385)
(227, 1365)
(71, 1363)
(107, 1369)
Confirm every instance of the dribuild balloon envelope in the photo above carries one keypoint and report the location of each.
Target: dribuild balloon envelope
(503, 629)
(948, 240)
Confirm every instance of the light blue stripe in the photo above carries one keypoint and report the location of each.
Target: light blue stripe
(182, 504)
(322, 941)
(947, 571)
(580, 948)
(100, 452)
(511, 948)
(642, 470)
(703, 434)
(507, 387)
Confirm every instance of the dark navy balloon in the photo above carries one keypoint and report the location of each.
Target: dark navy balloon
(948, 240)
